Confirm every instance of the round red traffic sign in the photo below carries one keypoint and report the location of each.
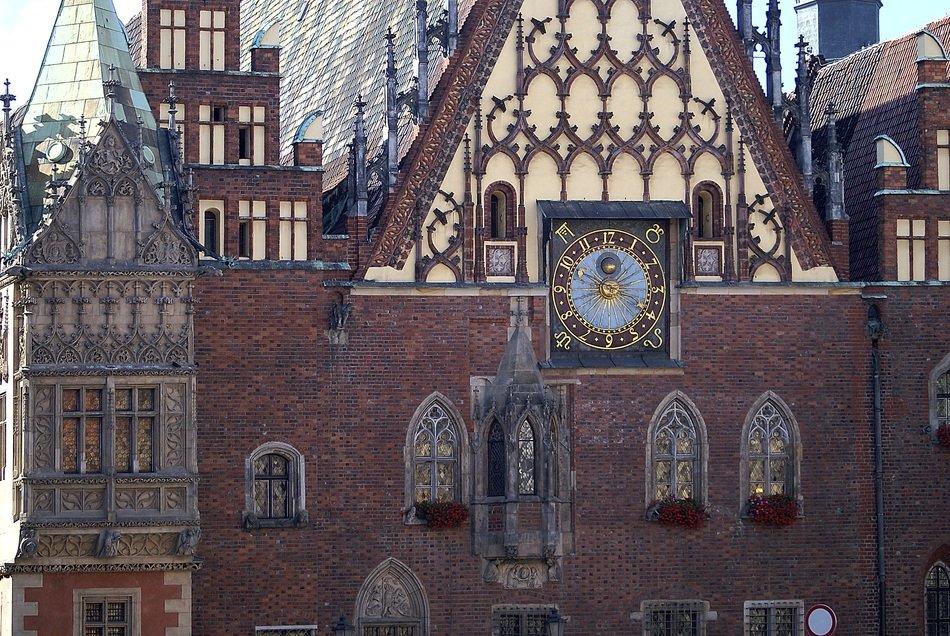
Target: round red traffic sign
(821, 621)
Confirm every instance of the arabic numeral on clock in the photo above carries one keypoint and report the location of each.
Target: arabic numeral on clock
(567, 314)
(657, 290)
(609, 339)
(566, 262)
(655, 341)
(560, 289)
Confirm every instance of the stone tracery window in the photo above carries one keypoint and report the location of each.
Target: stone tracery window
(526, 460)
(771, 451)
(675, 447)
(497, 466)
(436, 451)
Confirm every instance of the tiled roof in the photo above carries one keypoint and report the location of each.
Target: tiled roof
(333, 52)
(874, 92)
(87, 39)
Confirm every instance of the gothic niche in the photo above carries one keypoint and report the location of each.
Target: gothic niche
(521, 506)
(392, 601)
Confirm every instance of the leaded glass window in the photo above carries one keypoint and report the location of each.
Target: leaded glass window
(135, 420)
(670, 618)
(770, 453)
(943, 399)
(106, 617)
(675, 454)
(938, 601)
(526, 460)
(496, 461)
(773, 618)
(81, 441)
(436, 450)
(272, 499)
(521, 621)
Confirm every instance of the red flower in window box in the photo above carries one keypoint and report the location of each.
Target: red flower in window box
(686, 512)
(943, 435)
(442, 513)
(773, 510)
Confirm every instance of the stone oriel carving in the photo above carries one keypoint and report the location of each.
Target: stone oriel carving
(56, 246)
(81, 500)
(145, 544)
(187, 542)
(43, 427)
(165, 247)
(28, 544)
(522, 574)
(138, 499)
(110, 157)
(66, 545)
(107, 545)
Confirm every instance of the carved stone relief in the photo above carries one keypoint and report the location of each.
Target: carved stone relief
(389, 598)
(138, 499)
(43, 429)
(66, 545)
(56, 246)
(81, 500)
(521, 574)
(174, 411)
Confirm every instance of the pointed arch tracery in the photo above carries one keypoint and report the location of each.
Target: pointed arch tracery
(392, 601)
(677, 451)
(771, 451)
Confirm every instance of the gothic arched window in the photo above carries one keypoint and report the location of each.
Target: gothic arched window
(496, 461)
(527, 477)
(436, 461)
(938, 600)
(771, 450)
(675, 454)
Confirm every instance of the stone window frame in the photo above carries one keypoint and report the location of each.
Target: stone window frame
(132, 595)
(933, 420)
(297, 494)
(935, 565)
(647, 608)
(700, 483)
(794, 455)
(507, 216)
(713, 191)
(542, 610)
(463, 467)
(797, 605)
(413, 608)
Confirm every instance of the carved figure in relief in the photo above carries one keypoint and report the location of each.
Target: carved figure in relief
(108, 543)
(389, 598)
(188, 541)
(28, 543)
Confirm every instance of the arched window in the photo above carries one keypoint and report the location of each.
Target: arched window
(527, 478)
(938, 600)
(436, 449)
(437, 465)
(500, 200)
(676, 451)
(496, 461)
(771, 450)
(274, 493)
(943, 400)
(707, 211)
(211, 231)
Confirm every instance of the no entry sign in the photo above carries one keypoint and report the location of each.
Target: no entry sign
(821, 621)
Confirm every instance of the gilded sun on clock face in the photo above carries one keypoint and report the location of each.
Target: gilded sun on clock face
(609, 291)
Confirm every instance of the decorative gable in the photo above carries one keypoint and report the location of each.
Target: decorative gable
(583, 100)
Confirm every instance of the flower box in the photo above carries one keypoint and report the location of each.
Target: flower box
(773, 510)
(441, 514)
(943, 435)
(686, 512)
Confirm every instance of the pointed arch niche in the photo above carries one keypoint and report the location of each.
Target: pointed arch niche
(771, 451)
(392, 600)
(677, 451)
(435, 455)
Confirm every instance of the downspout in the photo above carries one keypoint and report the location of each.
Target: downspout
(874, 330)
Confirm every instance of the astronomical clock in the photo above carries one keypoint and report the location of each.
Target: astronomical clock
(609, 291)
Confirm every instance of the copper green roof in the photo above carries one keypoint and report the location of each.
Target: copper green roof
(88, 38)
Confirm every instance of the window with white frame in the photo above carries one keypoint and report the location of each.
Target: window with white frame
(943, 159)
(773, 618)
(943, 250)
(171, 38)
(911, 249)
(275, 493)
(251, 135)
(211, 40)
(211, 134)
(252, 230)
(293, 230)
(674, 618)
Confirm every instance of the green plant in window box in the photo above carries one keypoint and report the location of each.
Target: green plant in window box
(685, 512)
(943, 435)
(773, 510)
(441, 514)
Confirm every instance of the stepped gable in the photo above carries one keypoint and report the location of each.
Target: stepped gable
(874, 91)
(334, 52)
(481, 41)
(87, 39)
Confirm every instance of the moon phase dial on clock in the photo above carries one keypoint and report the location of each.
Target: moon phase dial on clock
(609, 292)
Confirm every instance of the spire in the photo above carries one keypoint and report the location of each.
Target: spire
(86, 72)
(7, 98)
(803, 95)
(452, 27)
(835, 210)
(770, 43)
(392, 114)
(518, 374)
(359, 155)
(422, 59)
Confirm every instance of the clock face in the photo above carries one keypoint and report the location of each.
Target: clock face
(608, 288)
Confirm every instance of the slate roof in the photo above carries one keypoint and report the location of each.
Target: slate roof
(874, 92)
(87, 39)
(333, 52)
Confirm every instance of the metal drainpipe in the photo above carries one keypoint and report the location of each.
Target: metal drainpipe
(874, 330)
